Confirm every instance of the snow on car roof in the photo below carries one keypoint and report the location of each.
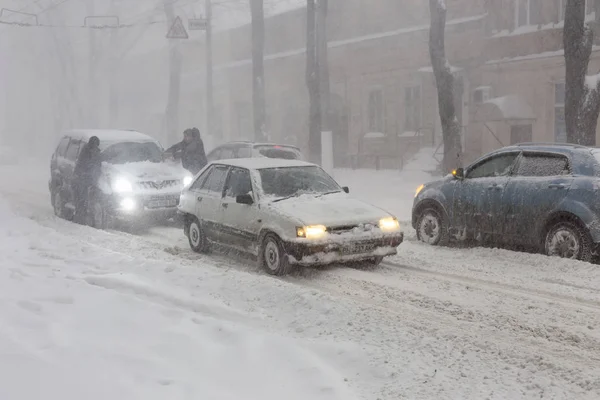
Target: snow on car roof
(112, 135)
(258, 144)
(264, 163)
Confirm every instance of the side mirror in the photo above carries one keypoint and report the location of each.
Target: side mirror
(244, 199)
(346, 189)
(458, 173)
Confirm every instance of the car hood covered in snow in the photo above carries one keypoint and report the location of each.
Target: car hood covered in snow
(147, 171)
(329, 210)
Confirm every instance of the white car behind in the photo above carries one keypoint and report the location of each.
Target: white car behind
(286, 213)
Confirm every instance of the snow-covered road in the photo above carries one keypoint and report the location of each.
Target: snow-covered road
(91, 314)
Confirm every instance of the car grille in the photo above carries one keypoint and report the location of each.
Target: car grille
(338, 230)
(159, 184)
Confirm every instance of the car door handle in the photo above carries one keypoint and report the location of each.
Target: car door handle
(199, 199)
(494, 186)
(556, 186)
(225, 205)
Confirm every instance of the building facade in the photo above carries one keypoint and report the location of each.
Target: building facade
(506, 56)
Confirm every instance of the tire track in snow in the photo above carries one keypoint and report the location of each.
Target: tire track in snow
(519, 345)
(394, 308)
(502, 287)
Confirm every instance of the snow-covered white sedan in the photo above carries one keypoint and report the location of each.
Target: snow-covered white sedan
(286, 213)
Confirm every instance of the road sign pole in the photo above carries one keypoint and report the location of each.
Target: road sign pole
(209, 70)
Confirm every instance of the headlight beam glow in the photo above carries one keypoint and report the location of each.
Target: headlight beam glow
(389, 224)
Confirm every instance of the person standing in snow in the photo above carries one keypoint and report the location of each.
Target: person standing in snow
(87, 171)
(190, 150)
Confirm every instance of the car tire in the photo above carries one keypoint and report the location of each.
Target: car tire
(196, 236)
(431, 228)
(58, 204)
(98, 216)
(568, 239)
(375, 261)
(272, 256)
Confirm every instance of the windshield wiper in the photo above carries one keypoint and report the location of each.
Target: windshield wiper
(285, 198)
(331, 192)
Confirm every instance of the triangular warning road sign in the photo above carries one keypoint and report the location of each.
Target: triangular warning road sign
(177, 30)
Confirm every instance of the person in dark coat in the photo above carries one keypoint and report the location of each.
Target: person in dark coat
(87, 172)
(191, 151)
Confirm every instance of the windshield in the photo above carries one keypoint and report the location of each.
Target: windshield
(294, 181)
(129, 152)
(286, 153)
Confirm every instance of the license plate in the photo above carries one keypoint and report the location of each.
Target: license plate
(357, 248)
(162, 203)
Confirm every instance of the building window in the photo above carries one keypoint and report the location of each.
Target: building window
(521, 134)
(412, 106)
(376, 111)
(527, 12)
(560, 127)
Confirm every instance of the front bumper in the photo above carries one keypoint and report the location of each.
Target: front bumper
(311, 254)
(136, 206)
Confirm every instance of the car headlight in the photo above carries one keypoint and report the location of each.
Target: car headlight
(187, 180)
(419, 190)
(389, 224)
(122, 185)
(311, 232)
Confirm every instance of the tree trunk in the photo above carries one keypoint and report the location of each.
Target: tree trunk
(313, 84)
(445, 86)
(210, 106)
(582, 100)
(323, 64)
(172, 111)
(258, 69)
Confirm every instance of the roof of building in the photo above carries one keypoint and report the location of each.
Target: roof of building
(264, 163)
(511, 107)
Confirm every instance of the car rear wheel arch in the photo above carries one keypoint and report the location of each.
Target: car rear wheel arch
(187, 219)
(557, 217)
(565, 218)
(195, 233)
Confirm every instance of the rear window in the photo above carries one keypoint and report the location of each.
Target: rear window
(61, 150)
(543, 165)
(73, 150)
(286, 153)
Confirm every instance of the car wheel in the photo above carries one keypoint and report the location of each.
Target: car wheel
(375, 261)
(58, 204)
(97, 216)
(196, 236)
(567, 239)
(273, 257)
(431, 229)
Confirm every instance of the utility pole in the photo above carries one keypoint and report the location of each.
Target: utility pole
(113, 96)
(172, 111)
(209, 71)
(91, 103)
(258, 69)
